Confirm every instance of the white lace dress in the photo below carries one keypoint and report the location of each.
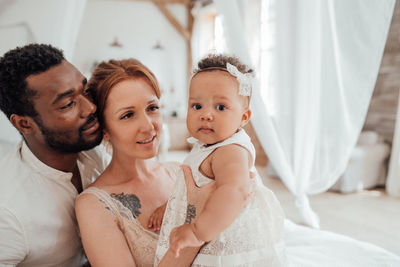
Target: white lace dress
(255, 238)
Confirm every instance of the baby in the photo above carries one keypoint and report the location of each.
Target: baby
(242, 222)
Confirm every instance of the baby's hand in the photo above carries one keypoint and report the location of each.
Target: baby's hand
(156, 218)
(182, 237)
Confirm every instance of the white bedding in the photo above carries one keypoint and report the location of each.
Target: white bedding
(308, 247)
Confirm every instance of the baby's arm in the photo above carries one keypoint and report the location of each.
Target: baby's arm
(156, 218)
(230, 165)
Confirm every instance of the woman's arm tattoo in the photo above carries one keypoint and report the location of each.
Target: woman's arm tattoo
(190, 213)
(130, 201)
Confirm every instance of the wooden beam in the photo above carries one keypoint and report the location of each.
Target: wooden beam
(189, 43)
(161, 5)
(186, 33)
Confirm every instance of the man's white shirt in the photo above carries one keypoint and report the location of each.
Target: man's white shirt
(37, 217)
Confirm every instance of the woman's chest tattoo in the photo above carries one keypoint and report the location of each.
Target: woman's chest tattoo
(130, 201)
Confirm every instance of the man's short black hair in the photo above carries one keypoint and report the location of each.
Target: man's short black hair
(15, 66)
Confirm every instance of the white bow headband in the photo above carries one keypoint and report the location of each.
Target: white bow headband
(245, 79)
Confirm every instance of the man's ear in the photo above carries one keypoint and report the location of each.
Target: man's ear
(24, 124)
(245, 117)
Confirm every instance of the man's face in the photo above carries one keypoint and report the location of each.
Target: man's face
(66, 114)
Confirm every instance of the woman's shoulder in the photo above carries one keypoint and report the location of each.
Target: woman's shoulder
(95, 203)
(94, 195)
(88, 196)
(88, 203)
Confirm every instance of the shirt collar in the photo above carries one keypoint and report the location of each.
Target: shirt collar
(87, 167)
(44, 170)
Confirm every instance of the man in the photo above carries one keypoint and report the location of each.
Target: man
(48, 102)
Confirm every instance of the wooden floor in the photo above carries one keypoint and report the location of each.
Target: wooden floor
(370, 215)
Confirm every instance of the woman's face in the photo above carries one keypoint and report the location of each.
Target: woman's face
(133, 120)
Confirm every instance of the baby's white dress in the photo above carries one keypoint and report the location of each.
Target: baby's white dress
(255, 238)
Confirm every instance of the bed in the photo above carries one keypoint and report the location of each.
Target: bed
(308, 247)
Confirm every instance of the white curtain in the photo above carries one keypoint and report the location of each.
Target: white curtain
(203, 30)
(393, 178)
(70, 25)
(324, 67)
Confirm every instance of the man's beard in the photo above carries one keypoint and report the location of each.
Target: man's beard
(61, 141)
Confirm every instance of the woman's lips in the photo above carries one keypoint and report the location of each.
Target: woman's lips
(144, 142)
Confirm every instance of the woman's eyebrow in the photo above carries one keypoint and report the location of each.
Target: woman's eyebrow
(124, 108)
(133, 107)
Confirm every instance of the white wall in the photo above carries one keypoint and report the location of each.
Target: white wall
(42, 21)
(137, 25)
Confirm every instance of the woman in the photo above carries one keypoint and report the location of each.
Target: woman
(114, 212)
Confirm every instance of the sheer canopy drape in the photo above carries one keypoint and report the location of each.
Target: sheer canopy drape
(393, 178)
(70, 26)
(323, 70)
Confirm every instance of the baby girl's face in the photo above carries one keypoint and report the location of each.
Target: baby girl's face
(215, 109)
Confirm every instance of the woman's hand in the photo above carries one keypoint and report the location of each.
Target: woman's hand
(196, 196)
(183, 236)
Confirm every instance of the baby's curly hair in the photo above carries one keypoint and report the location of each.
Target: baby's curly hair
(219, 61)
(214, 62)
(15, 66)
